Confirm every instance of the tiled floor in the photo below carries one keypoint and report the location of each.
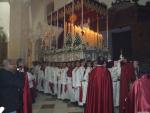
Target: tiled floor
(47, 104)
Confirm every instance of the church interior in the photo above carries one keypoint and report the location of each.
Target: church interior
(37, 28)
(61, 31)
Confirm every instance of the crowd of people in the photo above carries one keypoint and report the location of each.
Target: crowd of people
(100, 85)
(66, 80)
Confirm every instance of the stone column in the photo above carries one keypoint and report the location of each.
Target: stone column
(14, 45)
(19, 29)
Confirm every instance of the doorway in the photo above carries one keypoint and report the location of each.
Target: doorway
(121, 41)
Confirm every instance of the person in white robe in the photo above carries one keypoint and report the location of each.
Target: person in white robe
(70, 91)
(31, 78)
(77, 79)
(64, 81)
(59, 74)
(85, 81)
(47, 80)
(115, 74)
(40, 85)
(36, 70)
(55, 74)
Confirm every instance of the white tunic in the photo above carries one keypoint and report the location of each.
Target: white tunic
(115, 74)
(30, 79)
(64, 76)
(40, 80)
(55, 74)
(85, 83)
(36, 71)
(78, 73)
(77, 76)
(59, 90)
(47, 79)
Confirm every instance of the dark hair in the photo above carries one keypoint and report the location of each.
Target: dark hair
(19, 60)
(100, 60)
(86, 64)
(82, 60)
(144, 68)
(110, 64)
(26, 69)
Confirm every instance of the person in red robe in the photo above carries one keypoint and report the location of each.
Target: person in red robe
(25, 96)
(100, 91)
(139, 95)
(127, 77)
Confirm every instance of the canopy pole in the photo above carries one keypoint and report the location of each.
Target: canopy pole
(82, 2)
(64, 25)
(107, 28)
(97, 31)
(51, 31)
(57, 31)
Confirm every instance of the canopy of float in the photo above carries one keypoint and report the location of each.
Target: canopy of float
(80, 12)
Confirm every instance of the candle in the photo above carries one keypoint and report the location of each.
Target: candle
(57, 31)
(64, 24)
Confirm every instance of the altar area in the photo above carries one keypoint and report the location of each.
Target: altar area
(79, 30)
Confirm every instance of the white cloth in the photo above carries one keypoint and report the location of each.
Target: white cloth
(47, 80)
(77, 76)
(63, 79)
(55, 74)
(35, 72)
(40, 81)
(30, 79)
(115, 74)
(70, 90)
(85, 83)
(59, 74)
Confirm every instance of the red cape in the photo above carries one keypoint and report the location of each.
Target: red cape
(69, 72)
(139, 96)
(27, 101)
(100, 93)
(126, 78)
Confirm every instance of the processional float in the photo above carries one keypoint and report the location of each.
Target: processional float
(76, 32)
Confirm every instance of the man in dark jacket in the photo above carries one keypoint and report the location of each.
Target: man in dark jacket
(9, 85)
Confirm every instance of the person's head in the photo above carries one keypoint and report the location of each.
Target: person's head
(26, 69)
(73, 64)
(77, 63)
(55, 64)
(94, 63)
(100, 60)
(144, 68)
(88, 63)
(110, 64)
(60, 64)
(68, 64)
(64, 64)
(7, 64)
(125, 60)
(34, 63)
(20, 62)
(116, 63)
(135, 64)
(82, 62)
